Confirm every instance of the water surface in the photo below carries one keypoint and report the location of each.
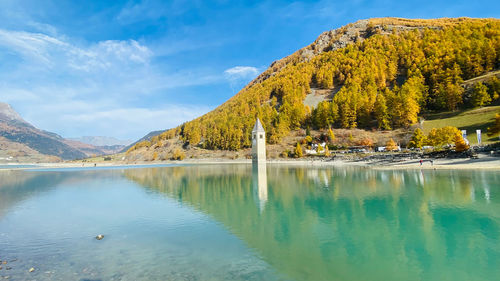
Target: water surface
(235, 222)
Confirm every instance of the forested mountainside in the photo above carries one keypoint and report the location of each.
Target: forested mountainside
(377, 73)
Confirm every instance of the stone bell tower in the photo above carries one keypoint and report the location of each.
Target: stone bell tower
(258, 143)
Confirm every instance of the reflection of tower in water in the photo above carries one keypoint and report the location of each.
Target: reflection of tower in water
(259, 171)
(259, 179)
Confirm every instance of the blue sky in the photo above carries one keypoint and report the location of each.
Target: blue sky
(124, 68)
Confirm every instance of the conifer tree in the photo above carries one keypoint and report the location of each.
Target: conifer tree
(331, 135)
(327, 151)
(298, 151)
(460, 144)
(391, 145)
(381, 112)
(418, 139)
(480, 96)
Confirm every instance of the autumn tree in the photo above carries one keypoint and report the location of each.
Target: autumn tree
(367, 142)
(331, 135)
(327, 151)
(418, 139)
(298, 151)
(381, 113)
(391, 145)
(480, 96)
(442, 136)
(178, 154)
(319, 149)
(494, 88)
(460, 144)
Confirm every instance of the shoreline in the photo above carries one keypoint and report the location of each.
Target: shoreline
(485, 162)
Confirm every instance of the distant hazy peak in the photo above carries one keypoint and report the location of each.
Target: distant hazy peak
(101, 140)
(8, 113)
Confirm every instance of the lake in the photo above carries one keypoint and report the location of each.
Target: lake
(238, 222)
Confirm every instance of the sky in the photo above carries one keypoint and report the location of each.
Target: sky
(124, 68)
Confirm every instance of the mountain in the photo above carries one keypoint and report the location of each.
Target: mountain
(102, 141)
(145, 138)
(21, 141)
(376, 74)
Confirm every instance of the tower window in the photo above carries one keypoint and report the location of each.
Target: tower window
(260, 136)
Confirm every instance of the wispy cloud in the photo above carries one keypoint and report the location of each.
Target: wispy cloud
(30, 45)
(241, 72)
(238, 76)
(51, 51)
(96, 88)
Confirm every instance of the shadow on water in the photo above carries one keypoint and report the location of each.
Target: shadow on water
(349, 224)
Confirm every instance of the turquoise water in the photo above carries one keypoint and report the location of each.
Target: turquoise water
(235, 222)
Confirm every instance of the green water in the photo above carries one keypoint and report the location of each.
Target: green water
(235, 222)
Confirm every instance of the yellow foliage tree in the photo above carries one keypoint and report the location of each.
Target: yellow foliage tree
(319, 149)
(418, 139)
(460, 144)
(366, 142)
(442, 136)
(391, 145)
(298, 151)
(331, 135)
(178, 154)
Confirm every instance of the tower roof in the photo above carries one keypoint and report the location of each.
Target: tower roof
(258, 126)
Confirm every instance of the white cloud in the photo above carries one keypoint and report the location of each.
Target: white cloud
(30, 45)
(238, 76)
(49, 51)
(100, 88)
(241, 72)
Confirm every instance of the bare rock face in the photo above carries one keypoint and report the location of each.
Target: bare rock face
(7, 113)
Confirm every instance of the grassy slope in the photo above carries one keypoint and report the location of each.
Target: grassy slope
(470, 120)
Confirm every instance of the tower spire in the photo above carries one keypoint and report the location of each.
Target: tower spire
(258, 143)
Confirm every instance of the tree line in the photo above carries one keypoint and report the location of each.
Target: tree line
(383, 82)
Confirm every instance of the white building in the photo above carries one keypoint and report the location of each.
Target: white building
(258, 143)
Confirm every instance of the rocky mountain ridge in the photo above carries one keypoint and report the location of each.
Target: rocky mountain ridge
(351, 33)
(21, 140)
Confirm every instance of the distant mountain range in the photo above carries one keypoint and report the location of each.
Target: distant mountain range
(101, 141)
(20, 141)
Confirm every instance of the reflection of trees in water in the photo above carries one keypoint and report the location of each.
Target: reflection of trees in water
(323, 223)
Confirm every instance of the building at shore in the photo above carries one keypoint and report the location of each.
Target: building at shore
(258, 143)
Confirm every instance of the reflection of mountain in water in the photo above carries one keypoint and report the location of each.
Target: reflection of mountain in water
(17, 186)
(323, 224)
